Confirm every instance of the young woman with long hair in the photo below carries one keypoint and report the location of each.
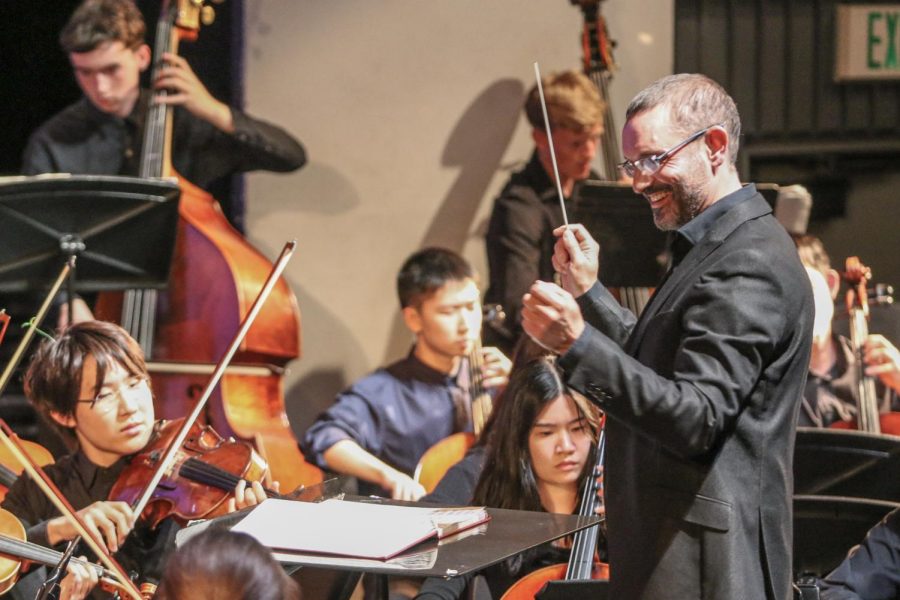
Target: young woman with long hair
(538, 454)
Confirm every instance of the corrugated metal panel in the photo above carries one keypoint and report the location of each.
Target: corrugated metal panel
(776, 58)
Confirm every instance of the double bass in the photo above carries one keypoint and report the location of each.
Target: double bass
(214, 276)
(868, 416)
(598, 65)
(438, 459)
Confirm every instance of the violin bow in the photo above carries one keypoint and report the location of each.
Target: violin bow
(35, 323)
(562, 200)
(168, 459)
(50, 490)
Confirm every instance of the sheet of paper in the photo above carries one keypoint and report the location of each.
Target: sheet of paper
(338, 527)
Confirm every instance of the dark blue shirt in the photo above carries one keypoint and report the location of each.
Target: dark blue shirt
(395, 414)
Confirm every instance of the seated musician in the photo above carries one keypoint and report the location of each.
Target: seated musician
(831, 392)
(101, 134)
(537, 460)
(93, 384)
(380, 427)
(520, 239)
(224, 565)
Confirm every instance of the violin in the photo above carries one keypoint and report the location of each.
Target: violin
(120, 579)
(206, 470)
(169, 477)
(15, 550)
(858, 298)
(4, 323)
(582, 563)
(11, 468)
(438, 459)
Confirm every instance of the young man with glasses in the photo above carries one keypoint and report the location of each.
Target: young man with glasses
(703, 390)
(93, 384)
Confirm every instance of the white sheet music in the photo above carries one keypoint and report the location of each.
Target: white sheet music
(356, 529)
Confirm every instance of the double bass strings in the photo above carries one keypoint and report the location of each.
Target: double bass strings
(540, 87)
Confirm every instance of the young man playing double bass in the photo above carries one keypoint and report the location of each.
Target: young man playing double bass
(101, 133)
(93, 384)
(379, 428)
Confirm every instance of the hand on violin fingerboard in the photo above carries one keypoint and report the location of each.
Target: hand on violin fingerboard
(882, 360)
(495, 368)
(245, 495)
(109, 522)
(78, 583)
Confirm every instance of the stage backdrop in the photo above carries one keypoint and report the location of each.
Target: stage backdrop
(410, 111)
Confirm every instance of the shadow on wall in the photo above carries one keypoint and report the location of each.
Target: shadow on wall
(315, 391)
(476, 146)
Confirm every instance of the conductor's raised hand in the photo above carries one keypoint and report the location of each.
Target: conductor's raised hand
(551, 317)
(576, 257)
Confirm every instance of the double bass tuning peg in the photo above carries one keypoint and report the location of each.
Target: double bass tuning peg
(881, 294)
(207, 15)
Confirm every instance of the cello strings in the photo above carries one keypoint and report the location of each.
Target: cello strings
(562, 200)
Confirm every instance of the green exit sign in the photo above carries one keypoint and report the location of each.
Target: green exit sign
(868, 42)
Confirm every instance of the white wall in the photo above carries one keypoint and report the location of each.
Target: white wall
(410, 112)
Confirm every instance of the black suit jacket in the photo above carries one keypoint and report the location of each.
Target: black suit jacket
(703, 404)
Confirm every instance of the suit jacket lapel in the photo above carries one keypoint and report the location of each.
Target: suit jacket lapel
(683, 274)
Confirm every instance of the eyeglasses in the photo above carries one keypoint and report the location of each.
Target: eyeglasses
(106, 401)
(649, 165)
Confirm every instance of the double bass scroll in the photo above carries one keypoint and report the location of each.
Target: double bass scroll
(598, 65)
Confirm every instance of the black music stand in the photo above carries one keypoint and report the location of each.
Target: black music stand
(632, 249)
(121, 228)
(826, 527)
(508, 533)
(839, 462)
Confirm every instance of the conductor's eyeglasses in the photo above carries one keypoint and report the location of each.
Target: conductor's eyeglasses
(649, 165)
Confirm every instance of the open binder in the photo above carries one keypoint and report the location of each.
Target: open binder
(353, 529)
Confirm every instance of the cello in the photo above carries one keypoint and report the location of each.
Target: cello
(868, 416)
(214, 274)
(438, 459)
(581, 563)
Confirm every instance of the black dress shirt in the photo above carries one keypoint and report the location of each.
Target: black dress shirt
(83, 140)
(83, 483)
(520, 243)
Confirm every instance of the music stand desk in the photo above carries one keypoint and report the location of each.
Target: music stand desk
(839, 462)
(121, 228)
(506, 534)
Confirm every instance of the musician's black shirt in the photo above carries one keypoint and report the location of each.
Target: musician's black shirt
(83, 140)
(83, 483)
